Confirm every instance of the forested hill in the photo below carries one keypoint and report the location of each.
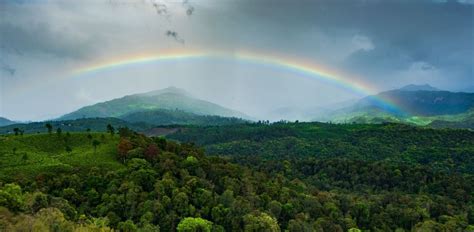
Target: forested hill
(178, 117)
(169, 99)
(374, 142)
(5, 121)
(130, 182)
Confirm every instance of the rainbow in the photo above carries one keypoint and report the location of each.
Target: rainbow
(293, 65)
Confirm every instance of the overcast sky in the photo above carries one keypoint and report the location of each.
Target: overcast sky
(385, 43)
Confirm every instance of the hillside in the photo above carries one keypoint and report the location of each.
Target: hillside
(143, 121)
(5, 121)
(394, 143)
(24, 157)
(419, 107)
(170, 99)
(136, 183)
(178, 117)
(429, 103)
(465, 122)
(77, 125)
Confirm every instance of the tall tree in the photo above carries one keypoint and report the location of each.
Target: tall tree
(49, 127)
(95, 143)
(110, 129)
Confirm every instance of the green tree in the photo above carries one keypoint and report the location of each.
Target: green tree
(16, 130)
(49, 127)
(191, 224)
(11, 197)
(127, 226)
(110, 130)
(89, 136)
(95, 143)
(260, 222)
(59, 131)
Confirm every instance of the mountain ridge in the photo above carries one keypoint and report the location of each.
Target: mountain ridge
(169, 98)
(5, 121)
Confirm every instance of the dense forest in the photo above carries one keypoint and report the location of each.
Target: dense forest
(302, 177)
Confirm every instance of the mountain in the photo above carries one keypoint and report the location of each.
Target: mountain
(5, 121)
(424, 103)
(170, 98)
(424, 87)
(420, 105)
(178, 117)
(469, 89)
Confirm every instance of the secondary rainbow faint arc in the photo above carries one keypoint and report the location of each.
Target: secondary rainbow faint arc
(288, 64)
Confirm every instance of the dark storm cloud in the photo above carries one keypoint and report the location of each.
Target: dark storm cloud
(34, 38)
(439, 33)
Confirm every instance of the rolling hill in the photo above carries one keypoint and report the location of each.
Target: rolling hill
(5, 121)
(419, 105)
(170, 98)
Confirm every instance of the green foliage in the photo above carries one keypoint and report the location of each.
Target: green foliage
(49, 127)
(11, 197)
(78, 125)
(344, 178)
(179, 117)
(50, 155)
(256, 222)
(394, 143)
(190, 224)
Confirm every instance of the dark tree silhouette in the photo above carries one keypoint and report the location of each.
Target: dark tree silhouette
(110, 129)
(95, 143)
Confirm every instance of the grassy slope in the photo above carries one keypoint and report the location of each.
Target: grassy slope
(46, 152)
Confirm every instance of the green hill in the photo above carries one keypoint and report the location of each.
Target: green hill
(419, 107)
(178, 117)
(170, 99)
(428, 103)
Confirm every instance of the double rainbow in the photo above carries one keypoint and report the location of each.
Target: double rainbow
(292, 65)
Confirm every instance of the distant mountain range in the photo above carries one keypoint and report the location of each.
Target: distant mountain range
(424, 87)
(425, 103)
(5, 121)
(419, 104)
(139, 121)
(168, 99)
(140, 112)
